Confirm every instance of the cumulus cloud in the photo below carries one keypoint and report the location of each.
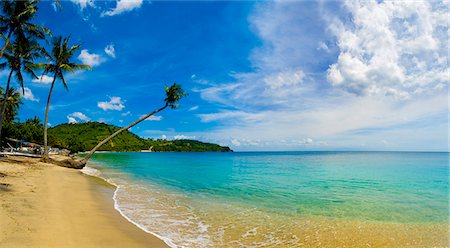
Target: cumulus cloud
(90, 59)
(152, 117)
(183, 137)
(384, 75)
(76, 117)
(114, 103)
(110, 50)
(123, 6)
(82, 3)
(28, 95)
(395, 48)
(71, 120)
(44, 79)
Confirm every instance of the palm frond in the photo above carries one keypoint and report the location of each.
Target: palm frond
(63, 80)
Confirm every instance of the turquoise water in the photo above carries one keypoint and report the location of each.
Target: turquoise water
(391, 187)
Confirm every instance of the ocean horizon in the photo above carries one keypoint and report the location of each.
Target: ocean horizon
(279, 198)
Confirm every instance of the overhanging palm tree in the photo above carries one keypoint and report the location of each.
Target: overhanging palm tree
(13, 102)
(173, 94)
(15, 20)
(20, 57)
(60, 63)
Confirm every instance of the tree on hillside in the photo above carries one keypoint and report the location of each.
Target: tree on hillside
(20, 56)
(15, 21)
(13, 102)
(60, 63)
(173, 94)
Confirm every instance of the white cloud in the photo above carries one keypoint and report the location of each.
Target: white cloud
(382, 83)
(110, 50)
(163, 137)
(126, 113)
(183, 137)
(80, 115)
(235, 142)
(71, 120)
(82, 3)
(90, 59)
(323, 46)
(44, 79)
(115, 103)
(285, 79)
(76, 117)
(393, 48)
(28, 95)
(193, 108)
(152, 117)
(123, 6)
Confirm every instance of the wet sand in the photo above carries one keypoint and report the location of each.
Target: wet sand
(42, 205)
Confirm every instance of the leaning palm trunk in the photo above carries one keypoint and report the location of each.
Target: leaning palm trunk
(5, 98)
(84, 160)
(45, 157)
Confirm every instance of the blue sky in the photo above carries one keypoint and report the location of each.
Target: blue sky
(295, 75)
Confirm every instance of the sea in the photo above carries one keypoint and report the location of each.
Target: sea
(283, 199)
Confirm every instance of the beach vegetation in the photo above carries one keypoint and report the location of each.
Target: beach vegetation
(13, 102)
(20, 57)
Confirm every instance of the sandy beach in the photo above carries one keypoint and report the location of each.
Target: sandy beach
(43, 205)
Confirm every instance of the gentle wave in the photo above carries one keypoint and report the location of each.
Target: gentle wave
(272, 200)
(96, 173)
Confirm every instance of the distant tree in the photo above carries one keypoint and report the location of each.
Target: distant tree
(31, 130)
(60, 63)
(173, 94)
(13, 102)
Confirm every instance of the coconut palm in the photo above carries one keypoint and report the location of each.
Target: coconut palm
(15, 20)
(60, 63)
(173, 94)
(20, 57)
(13, 102)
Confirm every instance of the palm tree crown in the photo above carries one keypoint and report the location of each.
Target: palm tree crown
(15, 20)
(173, 94)
(20, 56)
(60, 60)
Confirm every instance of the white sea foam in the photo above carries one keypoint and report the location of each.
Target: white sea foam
(157, 213)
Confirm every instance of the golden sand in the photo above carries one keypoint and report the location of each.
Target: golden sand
(42, 205)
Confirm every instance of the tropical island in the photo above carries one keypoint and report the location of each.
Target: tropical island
(82, 137)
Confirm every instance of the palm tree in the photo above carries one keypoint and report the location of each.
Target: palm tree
(173, 94)
(20, 57)
(16, 20)
(13, 102)
(60, 62)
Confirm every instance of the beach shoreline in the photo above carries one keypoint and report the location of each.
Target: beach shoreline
(43, 205)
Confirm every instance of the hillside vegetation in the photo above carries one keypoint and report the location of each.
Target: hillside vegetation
(84, 136)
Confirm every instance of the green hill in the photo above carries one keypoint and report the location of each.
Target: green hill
(84, 136)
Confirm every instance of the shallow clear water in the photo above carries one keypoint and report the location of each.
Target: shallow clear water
(210, 199)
